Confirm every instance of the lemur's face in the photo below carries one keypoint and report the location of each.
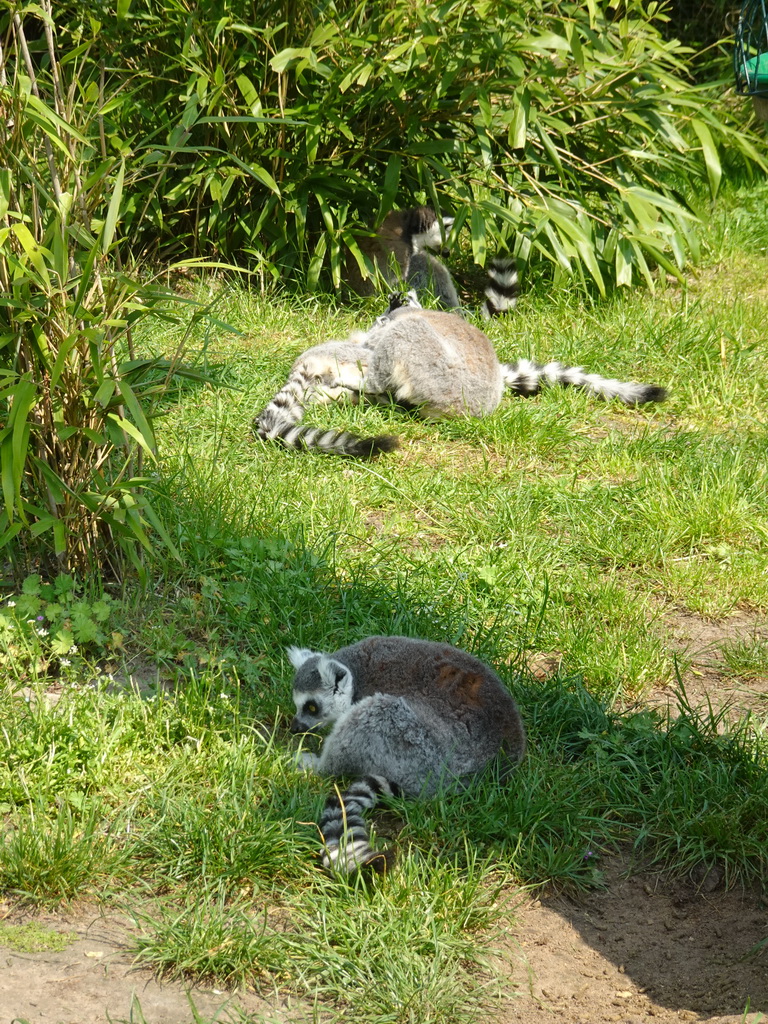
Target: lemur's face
(322, 690)
(433, 237)
(311, 713)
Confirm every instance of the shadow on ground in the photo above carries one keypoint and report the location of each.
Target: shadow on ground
(644, 950)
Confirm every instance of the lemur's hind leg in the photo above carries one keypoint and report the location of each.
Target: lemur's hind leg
(349, 384)
(334, 391)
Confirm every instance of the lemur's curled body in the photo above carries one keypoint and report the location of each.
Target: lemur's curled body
(430, 360)
(405, 248)
(408, 717)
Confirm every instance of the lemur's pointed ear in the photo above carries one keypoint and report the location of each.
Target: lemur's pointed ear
(336, 676)
(298, 655)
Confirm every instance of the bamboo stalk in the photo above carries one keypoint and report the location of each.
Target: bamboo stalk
(52, 168)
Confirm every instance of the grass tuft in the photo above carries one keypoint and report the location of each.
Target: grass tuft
(48, 859)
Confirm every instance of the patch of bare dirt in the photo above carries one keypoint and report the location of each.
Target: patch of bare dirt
(94, 981)
(644, 951)
(697, 643)
(379, 526)
(640, 952)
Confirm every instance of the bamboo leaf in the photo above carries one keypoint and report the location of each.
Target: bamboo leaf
(65, 347)
(5, 191)
(52, 124)
(134, 407)
(113, 212)
(549, 146)
(711, 158)
(134, 432)
(57, 486)
(157, 525)
(391, 182)
(35, 252)
(24, 398)
(478, 236)
(316, 263)
(624, 263)
(59, 537)
(518, 125)
(8, 481)
(9, 533)
(364, 265)
(264, 177)
(105, 392)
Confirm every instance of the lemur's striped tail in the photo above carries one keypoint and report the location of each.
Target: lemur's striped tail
(335, 442)
(346, 843)
(501, 290)
(279, 421)
(286, 408)
(528, 378)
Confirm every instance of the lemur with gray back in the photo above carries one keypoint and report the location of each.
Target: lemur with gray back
(433, 361)
(404, 250)
(408, 717)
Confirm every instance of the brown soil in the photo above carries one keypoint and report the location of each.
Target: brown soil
(641, 951)
(646, 951)
(94, 981)
(698, 645)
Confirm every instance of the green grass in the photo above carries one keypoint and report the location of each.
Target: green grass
(747, 657)
(559, 528)
(33, 938)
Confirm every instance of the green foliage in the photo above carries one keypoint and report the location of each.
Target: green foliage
(558, 525)
(747, 657)
(567, 132)
(232, 830)
(220, 942)
(49, 626)
(54, 749)
(558, 529)
(47, 860)
(569, 135)
(72, 744)
(188, 803)
(76, 403)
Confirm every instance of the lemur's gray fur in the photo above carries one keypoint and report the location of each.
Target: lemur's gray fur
(408, 717)
(427, 359)
(404, 250)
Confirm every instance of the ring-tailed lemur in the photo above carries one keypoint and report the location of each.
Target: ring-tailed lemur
(409, 717)
(426, 359)
(404, 249)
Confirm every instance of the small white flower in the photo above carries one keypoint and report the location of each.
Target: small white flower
(65, 662)
(11, 604)
(73, 649)
(42, 632)
(224, 696)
